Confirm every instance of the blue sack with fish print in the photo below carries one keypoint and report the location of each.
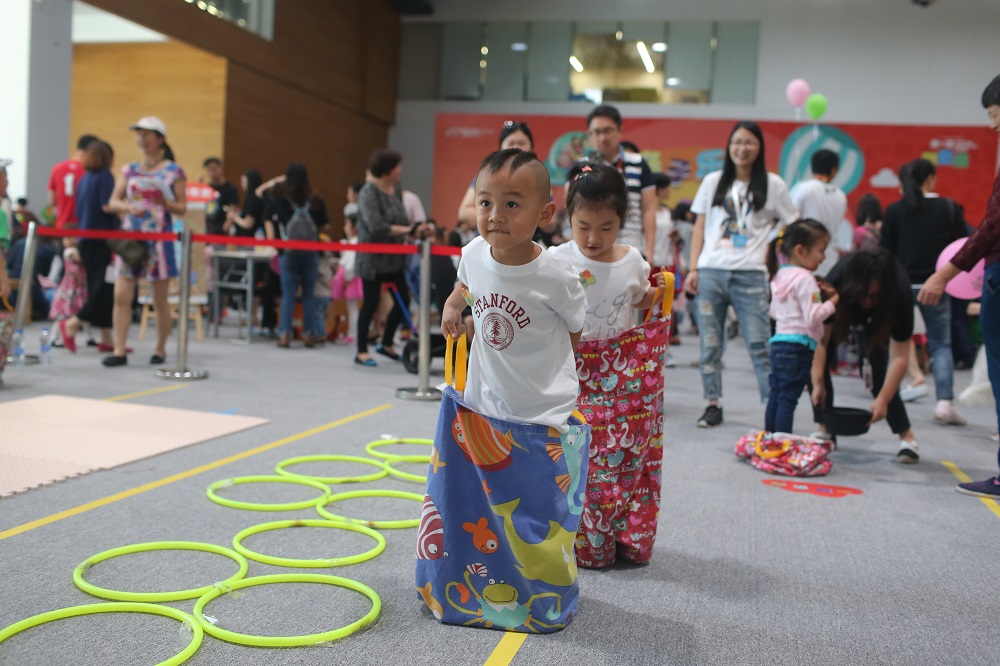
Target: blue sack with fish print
(499, 519)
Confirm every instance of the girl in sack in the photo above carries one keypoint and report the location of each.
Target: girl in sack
(799, 306)
(502, 507)
(623, 483)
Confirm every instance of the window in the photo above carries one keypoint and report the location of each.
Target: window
(256, 16)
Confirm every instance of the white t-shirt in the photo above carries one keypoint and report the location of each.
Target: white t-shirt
(663, 250)
(522, 367)
(611, 289)
(736, 238)
(414, 207)
(827, 204)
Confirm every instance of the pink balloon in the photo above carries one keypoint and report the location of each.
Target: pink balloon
(797, 92)
(965, 285)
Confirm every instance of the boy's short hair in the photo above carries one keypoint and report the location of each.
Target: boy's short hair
(605, 111)
(84, 141)
(211, 160)
(991, 96)
(630, 147)
(662, 181)
(824, 162)
(515, 159)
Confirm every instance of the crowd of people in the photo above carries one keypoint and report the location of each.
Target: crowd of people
(777, 264)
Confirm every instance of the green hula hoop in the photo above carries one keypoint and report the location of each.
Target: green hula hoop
(374, 476)
(117, 607)
(325, 562)
(377, 524)
(155, 597)
(254, 506)
(371, 448)
(288, 641)
(406, 476)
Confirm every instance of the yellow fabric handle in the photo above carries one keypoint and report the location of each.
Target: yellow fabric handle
(668, 296)
(457, 357)
(7, 305)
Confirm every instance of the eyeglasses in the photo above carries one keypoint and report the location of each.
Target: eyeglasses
(602, 131)
(514, 125)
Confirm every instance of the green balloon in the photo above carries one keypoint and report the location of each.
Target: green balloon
(816, 105)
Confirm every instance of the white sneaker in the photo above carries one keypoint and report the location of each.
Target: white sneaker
(911, 392)
(909, 452)
(668, 361)
(946, 414)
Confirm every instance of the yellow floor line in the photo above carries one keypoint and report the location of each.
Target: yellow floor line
(139, 394)
(506, 649)
(184, 475)
(964, 478)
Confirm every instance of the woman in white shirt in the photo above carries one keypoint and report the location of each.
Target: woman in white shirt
(737, 208)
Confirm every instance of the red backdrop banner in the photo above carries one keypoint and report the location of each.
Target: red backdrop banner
(687, 149)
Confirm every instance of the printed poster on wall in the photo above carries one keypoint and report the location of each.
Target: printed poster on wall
(688, 149)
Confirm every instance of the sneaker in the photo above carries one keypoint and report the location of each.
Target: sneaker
(909, 453)
(990, 488)
(668, 361)
(825, 437)
(946, 414)
(911, 392)
(711, 418)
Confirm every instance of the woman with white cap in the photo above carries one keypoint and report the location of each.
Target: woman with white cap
(147, 193)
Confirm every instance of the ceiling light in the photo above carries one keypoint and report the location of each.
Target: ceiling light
(659, 47)
(644, 54)
(673, 81)
(518, 46)
(577, 65)
(485, 50)
(482, 64)
(619, 35)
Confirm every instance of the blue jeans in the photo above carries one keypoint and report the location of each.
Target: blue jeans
(989, 322)
(791, 367)
(299, 269)
(938, 321)
(746, 291)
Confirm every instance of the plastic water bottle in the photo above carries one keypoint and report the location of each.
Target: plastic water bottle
(17, 348)
(45, 348)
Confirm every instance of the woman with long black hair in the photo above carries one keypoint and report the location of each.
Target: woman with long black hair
(916, 229)
(736, 208)
(876, 303)
(293, 201)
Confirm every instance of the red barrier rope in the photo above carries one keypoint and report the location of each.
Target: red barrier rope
(245, 241)
(52, 232)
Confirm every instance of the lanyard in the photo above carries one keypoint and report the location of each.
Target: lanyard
(742, 209)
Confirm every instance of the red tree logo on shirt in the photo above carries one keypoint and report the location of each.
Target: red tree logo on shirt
(497, 331)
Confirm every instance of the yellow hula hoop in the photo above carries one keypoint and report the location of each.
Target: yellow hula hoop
(288, 641)
(377, 524)
(406, 476)
(361, 478)
(371, 448)
(117, 607)
(321, 562)
(255, 506)
(155, 597)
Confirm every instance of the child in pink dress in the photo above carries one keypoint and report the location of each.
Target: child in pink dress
(72, 290)
(347, 285)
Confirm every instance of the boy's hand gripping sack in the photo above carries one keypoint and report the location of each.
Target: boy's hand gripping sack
(500, 514)
(621, 396)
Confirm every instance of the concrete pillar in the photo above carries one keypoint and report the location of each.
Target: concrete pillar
(36, 50)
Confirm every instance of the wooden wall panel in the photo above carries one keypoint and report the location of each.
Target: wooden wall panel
(269, 125)
(116, 84)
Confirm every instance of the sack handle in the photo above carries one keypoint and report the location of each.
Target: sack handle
(459, 360)
(771, 453)
(7, 304)
(668, 296)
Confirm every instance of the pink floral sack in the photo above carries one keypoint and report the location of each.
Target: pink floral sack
(784, 454)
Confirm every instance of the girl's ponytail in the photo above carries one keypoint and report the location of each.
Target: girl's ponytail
(772, 254)
(168, 154)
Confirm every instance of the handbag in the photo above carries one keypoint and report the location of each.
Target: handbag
(784, 454)
(134, 253)
(495, 545)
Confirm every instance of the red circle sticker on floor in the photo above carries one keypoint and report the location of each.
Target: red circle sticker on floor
(811, 488)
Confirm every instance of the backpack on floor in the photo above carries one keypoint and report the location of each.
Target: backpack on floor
(784, 454)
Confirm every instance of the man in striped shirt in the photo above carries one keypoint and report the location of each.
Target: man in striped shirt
(604, 125)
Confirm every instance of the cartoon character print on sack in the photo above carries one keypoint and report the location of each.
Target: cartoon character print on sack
(430, 533)
(496, 606)
(483, 445)
(571, 446)
(483, 538)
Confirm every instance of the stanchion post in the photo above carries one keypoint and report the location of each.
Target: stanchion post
(423, 392)
(27, 276)
(181, 371)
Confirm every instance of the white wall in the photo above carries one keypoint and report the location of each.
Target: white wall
(96, 26)
(877, 61)
(14, 108)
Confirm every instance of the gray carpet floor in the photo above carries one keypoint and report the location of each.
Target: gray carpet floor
(743, 573)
